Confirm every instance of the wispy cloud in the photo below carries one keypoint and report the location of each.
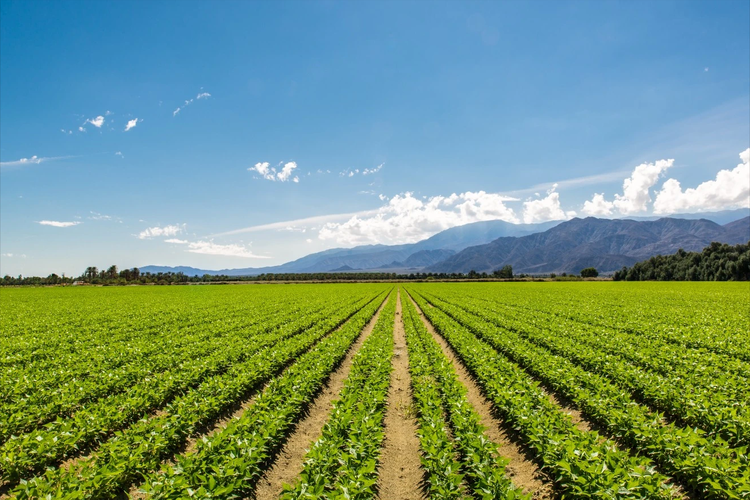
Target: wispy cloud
(188, 102)
(177, 241)
(170, 230)
(230, 250)
(269, 173)
(132, 123)
(307, 221)
(55, 223)
(119, 153)
(98, 216)
(34, 160)
(14, 255)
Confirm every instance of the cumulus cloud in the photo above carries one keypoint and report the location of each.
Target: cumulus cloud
(269, 173)
(635, 189)
(598, 206)
(203, 95)
(170, 230)
(96, 122)
(55, 223)
(132, 123)
(230, 250)
(545, 209)
(406, 219)
(730, 189)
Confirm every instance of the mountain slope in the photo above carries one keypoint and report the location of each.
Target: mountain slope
(605, 244)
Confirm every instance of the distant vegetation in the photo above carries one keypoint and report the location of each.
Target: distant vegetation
(717, 262)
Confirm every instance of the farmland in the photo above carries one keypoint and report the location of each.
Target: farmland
(417, 390)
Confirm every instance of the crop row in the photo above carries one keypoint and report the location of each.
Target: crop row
(581, 463)
(342, 463)
(229, 464)
(61, 402)
(30, 453)
(655, 354)
(439, 393)
(708, 467)
(714, 408)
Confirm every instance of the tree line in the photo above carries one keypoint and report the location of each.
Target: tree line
(717, 262)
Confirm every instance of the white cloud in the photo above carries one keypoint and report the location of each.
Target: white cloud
(132, 123)
(96, 122)
(170, 230)
(119, 153)
(269, 173)
(286, 172)
(201, 95)
(81, 129)
(34, 160)
(730, 189)
(406, 219)
(369, 171)
(98, 216)
(635, 197)
(176, 241)
(14, 255)
(598, 206)
(55, 223)
(231, 250)
(545, 209)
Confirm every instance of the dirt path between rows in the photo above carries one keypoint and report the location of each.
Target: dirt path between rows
(522, 470)
(400, 472)
(289, 461)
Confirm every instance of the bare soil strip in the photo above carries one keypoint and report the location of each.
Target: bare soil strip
(400, 472)
(522, 470)
(289, 461)
(236, 411)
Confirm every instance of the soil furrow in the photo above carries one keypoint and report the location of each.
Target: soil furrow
(400, 475)
(521, 469)
(289, 461)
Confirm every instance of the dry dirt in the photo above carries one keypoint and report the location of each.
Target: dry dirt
(524, 472)
(400, 472)
(289, 461)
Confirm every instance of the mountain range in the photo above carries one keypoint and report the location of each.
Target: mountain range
(607, 244)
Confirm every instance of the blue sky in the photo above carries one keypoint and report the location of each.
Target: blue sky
(381, 111)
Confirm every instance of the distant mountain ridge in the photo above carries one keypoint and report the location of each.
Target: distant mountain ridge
(372, 257)
(607, 245)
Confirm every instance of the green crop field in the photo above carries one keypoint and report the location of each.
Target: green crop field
(512, 390)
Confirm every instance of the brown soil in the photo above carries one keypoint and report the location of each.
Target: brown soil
(289, 461)
(400, 475)
(521, 469)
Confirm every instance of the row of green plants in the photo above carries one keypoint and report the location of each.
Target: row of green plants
(343, 462)
(65, 394)
(230, 463)
(466, 453)
(233, 369)
(707, 466)
(694, 394)
(133, 453)
(653, 353)
(581, 463)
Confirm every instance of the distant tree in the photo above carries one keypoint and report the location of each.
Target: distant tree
(505, 272)
(589, 272)
(112, 272)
